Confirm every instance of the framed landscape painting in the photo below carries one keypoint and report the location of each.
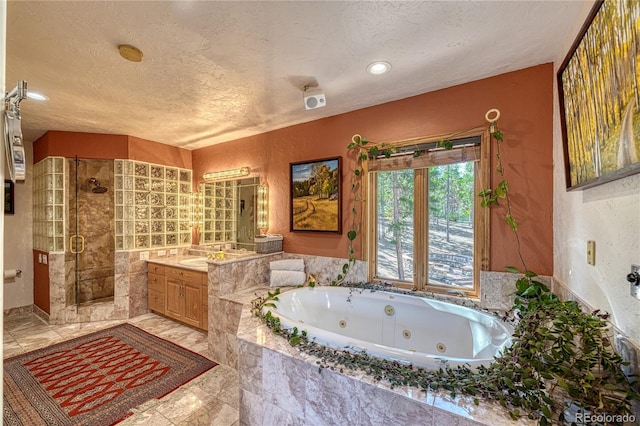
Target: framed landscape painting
(316, 195)
(599, 88)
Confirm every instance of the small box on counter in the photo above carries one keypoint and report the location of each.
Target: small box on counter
(271, 243)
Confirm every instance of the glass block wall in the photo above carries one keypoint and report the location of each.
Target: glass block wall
(219, 211)
(152, 205)
(48, 205)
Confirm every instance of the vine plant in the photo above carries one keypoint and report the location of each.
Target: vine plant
(559, 354)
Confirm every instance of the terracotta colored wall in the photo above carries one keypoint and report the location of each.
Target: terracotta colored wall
(41, 282)
(106, 147)
(158, 153)
(84, 145)
(525, 99)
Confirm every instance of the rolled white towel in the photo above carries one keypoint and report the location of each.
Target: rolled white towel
(287, 265)
(287, 278)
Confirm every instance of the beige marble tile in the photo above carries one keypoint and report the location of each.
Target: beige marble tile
(149, 417)
(7, 339)
(36, 340)
(11, 349)
(323, 404)
(22, 324)
(215, 413)
(230, 395)
(179, 404)
(251, 408)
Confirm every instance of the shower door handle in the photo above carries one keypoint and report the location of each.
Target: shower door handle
(74, 250)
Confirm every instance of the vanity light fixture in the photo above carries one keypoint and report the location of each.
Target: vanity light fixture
(263, 208)
(226, 174)
(378, 67)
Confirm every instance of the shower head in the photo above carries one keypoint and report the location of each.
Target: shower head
(97, 189)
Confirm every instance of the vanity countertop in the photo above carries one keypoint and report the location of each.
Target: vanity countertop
(174, 261)
(201, 263)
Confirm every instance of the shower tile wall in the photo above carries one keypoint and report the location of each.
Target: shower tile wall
(94, 223)
(48, 205)
(153, 207)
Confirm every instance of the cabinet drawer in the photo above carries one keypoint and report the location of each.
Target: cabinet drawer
(192, 277)
(154, 268)
(156, 301)
(156, 282)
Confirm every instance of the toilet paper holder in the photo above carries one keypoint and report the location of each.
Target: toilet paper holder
(9, 273)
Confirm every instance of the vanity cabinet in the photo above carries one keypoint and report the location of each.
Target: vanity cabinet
(156, 280)
(183, 295)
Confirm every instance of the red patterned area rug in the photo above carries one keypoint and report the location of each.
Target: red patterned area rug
(95, 379)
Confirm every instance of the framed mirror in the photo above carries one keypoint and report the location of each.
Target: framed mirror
(229, 212)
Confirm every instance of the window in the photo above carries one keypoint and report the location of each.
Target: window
(430, 232)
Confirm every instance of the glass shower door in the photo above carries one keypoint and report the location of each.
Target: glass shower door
(90, 259)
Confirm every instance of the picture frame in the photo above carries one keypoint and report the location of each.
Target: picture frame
(316, 195)
(599, 94)
(8, 197)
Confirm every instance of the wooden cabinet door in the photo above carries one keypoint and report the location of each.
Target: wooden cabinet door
(193, 303)
(156, 301)
(174, 306)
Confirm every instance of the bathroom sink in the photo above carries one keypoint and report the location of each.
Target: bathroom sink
(230, 254)
(199, 262)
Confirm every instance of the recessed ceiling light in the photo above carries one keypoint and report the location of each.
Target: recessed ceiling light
(36, 96)
(378, 67)
(130, 53)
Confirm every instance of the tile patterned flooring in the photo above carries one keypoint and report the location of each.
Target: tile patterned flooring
(210, 399)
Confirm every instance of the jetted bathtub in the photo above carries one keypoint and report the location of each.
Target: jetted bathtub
(412, 330)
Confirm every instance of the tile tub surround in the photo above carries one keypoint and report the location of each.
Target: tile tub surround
(225, 314)
(231, 284)
(234, 283)
(280, 385)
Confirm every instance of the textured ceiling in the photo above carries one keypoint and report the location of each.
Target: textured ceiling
(217, 71)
